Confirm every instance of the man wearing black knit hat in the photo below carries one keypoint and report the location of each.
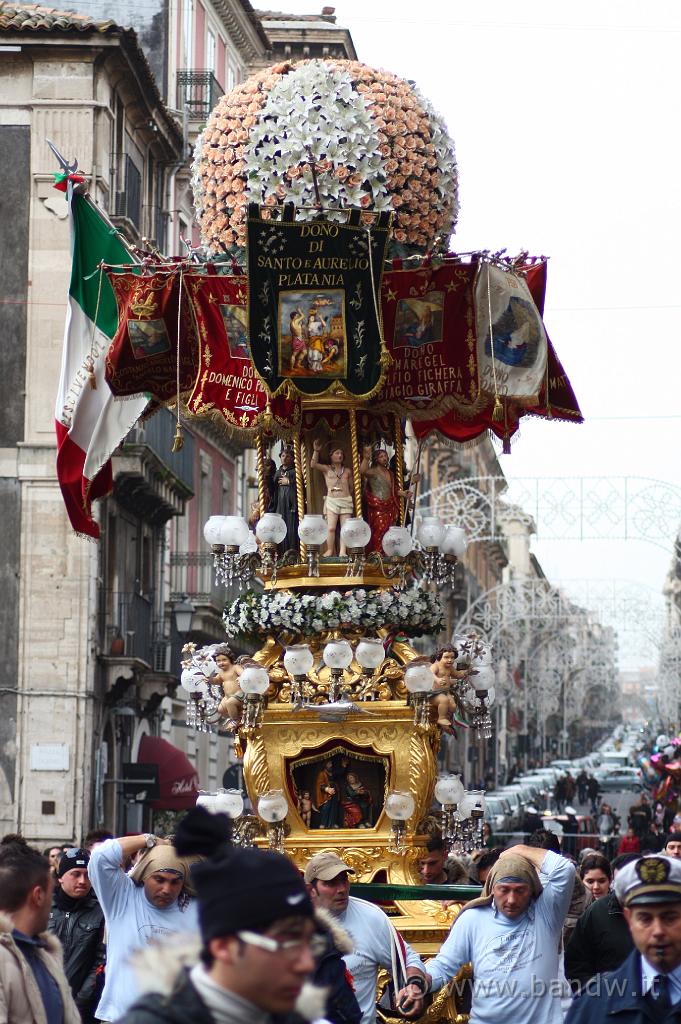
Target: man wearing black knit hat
(257, 931)
(77, 920)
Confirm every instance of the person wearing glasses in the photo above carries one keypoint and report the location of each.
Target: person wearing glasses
(77, 920)
(257, 939)
(152, 901)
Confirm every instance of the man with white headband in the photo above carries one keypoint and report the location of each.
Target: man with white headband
(511, 935)
(153, 901)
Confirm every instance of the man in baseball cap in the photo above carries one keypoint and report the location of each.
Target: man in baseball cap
(648, 984)
(373, 936)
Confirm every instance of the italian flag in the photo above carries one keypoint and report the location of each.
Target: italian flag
(90, 423)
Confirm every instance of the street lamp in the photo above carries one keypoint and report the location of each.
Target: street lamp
(183, 613)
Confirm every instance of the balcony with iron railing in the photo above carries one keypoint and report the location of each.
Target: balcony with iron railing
(192, 576)
(197, 93)
(128, 629)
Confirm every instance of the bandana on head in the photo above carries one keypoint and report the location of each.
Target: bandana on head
(511, 868)
(163, 858)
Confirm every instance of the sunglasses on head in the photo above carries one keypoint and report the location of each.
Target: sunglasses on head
(73, 852)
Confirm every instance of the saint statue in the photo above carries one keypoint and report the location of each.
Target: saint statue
(380, 493)
(338, 503)
(284, 499)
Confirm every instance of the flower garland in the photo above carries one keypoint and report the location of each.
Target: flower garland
(376, 142)
(414, 611)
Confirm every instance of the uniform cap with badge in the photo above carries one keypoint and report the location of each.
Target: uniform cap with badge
(652, 879)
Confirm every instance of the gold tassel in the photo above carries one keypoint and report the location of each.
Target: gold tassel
(498, 410)
(267, 419)
(178, 441)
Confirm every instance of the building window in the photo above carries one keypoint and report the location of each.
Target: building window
(210, 50)
(188, 32)
(231, 77)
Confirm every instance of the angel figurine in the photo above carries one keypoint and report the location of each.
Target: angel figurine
(447, 675)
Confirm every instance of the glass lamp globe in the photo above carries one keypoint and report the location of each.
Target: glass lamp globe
(207, 801)
(399, 805)
(313, 530)
(249, 545)
(449, 789)
(419, 678)
(254, 680)
(490, 698)
(273, 806)
(484, 658)
(337, 654)
(212, 530)
(298, 659)
(397, 542)
(190, 679)
(271, 528)
(229, 802)
(484, 678)
(355, 533)
(370, 653)
(233, 531)
(430, 532)
(473, 800)
(454, 541)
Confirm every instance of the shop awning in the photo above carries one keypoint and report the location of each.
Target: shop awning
(178, 781)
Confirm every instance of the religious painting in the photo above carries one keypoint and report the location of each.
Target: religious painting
(148, 338)
(340, 788)
(418, 320)
(312, 337)
(235, 319)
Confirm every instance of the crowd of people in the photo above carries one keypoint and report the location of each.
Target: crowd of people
(190, 928)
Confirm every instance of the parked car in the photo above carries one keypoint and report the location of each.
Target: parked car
(624, 778)
(513, 807)
(519, 802)
(498, 813)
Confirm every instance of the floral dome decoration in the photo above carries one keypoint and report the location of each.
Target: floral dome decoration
(375, 141)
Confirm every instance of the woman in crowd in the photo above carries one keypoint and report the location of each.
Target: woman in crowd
(596, 873)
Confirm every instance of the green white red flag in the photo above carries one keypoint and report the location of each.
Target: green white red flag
(90, 423)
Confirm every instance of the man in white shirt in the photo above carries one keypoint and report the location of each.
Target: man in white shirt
(373, 936)
(153, 901)
(647, 987)
(511, 935)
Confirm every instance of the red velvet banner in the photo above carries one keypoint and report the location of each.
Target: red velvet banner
(227, 387)
(429, 331)
(142, 357)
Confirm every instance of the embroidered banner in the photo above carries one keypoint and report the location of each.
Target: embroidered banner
(429, 328)
(313, 312)
(142, 358)
(510, 333)
(227, 387)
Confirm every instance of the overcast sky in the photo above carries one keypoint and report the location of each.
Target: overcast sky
(567, 120)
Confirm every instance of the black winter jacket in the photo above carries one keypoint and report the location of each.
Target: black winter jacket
(331, 973)
(183, 1005)
(79, 926)
(600, 941)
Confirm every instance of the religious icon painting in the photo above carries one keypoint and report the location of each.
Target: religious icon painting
(235, 319)
(312, 334)
(418, 320)
(341, 788)
(512, 343)
(148, 338)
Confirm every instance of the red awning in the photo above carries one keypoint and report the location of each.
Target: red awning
(177, 778)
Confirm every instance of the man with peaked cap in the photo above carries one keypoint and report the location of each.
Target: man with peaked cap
(511, 935)
(77, 920)
(647, 987)
(372, 934)
(154, 900)
(256, 943)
